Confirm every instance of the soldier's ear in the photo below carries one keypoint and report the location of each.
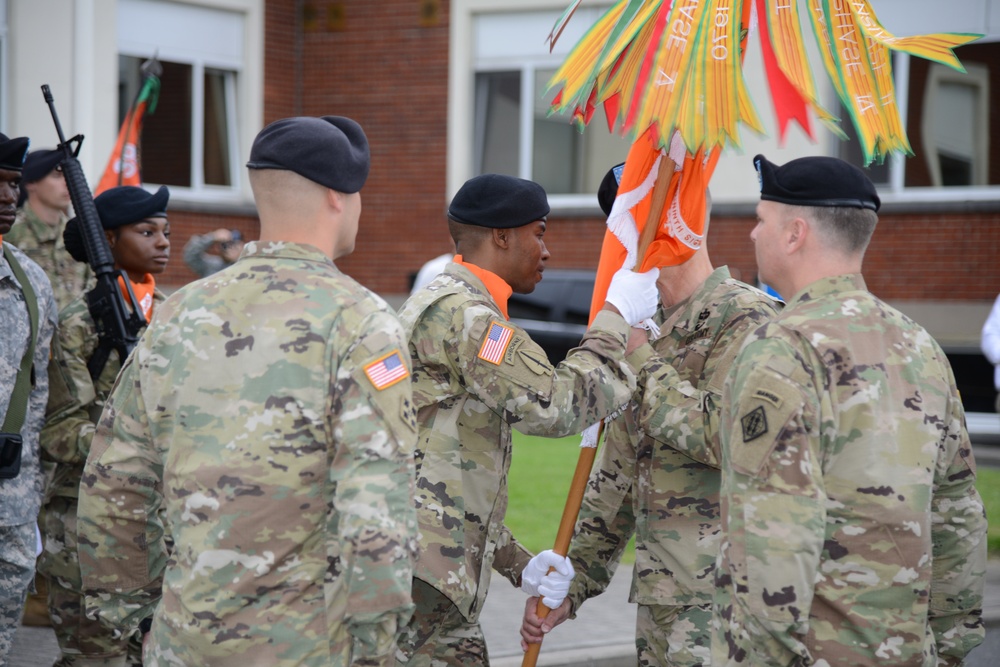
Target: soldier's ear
(796, 233)
(110, 235)
(501, 238)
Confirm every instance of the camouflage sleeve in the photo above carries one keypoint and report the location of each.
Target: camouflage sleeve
(196, 255)
(675, 413)
(121, 546)
(773, 482)
(510, 557)
(70, 414)
(374, 423)
(509, 372)
(606, 521)
(958, 529)
(680, 415)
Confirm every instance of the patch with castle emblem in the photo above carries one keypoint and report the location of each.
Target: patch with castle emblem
(754, 424)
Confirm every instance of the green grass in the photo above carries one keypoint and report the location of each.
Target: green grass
(540, 475)
(542, 469)
(988, 483)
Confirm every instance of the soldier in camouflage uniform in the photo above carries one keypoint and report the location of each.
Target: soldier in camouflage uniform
(41, 221)
(476, 377)
(267, 413)
(21, 493)
(38, 233)
(657, 477)
(139, 238)
(853, 532)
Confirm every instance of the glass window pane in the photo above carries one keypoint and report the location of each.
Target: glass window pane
(564, 160)
(498, 122)
(216, 165)
(165, 147)
(950, 122)
(850, 149)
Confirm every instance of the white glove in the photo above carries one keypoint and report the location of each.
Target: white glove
(589, 437)
(634, 294)
(551, 586)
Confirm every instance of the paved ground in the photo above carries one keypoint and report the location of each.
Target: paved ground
(601, 635)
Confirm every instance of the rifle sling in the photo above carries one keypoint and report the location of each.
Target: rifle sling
(18, 407)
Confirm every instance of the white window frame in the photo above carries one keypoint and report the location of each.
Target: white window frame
(977, 77)
(463, 66)
(239, 53)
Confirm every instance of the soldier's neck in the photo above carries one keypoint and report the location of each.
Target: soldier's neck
(677, 283)
(47, 214)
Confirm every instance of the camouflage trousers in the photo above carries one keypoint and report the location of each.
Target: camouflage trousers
(668, 636)
(17, 569)
(84, 642)
(438, 635)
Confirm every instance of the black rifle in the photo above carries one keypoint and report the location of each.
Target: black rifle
(118, 322)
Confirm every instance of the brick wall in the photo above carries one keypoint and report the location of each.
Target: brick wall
(183, 224)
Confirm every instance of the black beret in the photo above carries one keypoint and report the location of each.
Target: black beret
(816, 181)
(117, 207)
(331, 151)
(12, 152)
(498, 201)
(40, 164)
(608, 189)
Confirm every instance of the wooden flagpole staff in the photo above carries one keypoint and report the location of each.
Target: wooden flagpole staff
(587, 454)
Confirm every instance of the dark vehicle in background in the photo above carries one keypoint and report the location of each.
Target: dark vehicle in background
(555, 315)
(974, 377)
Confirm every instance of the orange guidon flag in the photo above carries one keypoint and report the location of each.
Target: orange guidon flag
(681, 226)
(123, 166)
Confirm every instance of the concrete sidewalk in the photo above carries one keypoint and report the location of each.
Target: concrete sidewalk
(601, 635)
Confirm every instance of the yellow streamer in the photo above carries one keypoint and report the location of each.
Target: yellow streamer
(937, 47)
(577, 73)
(784, 24)
(673, 60)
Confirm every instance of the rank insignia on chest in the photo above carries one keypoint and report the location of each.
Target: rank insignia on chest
(495, 344)
(387, 371)
(754, 424)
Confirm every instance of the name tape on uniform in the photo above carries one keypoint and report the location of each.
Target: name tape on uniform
(387, 371)
(495, 344)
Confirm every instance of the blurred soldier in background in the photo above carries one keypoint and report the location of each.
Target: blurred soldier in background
(138, 235)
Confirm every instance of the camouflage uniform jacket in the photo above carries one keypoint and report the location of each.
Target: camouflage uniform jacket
(75, 400)
(854, 534)
(44, 244)
(21, 497)
(640, 483)
(267, 410)
(466, 408)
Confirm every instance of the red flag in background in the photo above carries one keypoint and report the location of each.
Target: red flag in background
(123, 167)
(681, 223)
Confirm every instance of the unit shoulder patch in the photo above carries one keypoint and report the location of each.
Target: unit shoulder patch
(754, 424)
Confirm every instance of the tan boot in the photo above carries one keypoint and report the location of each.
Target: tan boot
(36, 609)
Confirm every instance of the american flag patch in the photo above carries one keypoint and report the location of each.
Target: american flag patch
(496, 342)
(387, 371)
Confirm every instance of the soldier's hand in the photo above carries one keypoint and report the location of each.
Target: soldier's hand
(533, 628)
(634, 294)
(548, 574)
(222, 235)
